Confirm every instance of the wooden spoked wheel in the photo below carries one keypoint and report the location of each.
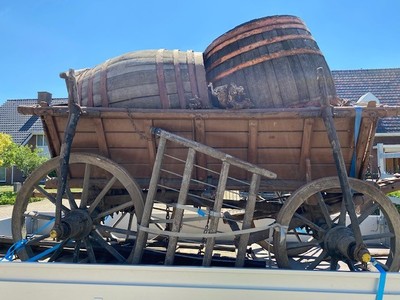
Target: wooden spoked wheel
(99, 212)
(317, 232)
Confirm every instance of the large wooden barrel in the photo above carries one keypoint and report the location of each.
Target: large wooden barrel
(273, 58)
(146, 79)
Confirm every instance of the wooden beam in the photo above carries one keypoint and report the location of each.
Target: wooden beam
(101, 137)
(201, 158)
(364, 145)
(252, 154)
(52, 135)
(305, 163)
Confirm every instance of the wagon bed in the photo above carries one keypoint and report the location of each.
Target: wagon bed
(292, 143)
(285, 165)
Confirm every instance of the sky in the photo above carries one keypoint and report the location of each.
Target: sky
(40, 39)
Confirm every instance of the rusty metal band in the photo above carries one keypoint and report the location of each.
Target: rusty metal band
(264, 58)
(103, 86)
(178, 79)
(90, 101)
(192, 73)
(257, 45)
(162, 88)
(253, 32)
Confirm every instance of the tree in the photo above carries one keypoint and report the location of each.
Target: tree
(25, 158)
(5, 143)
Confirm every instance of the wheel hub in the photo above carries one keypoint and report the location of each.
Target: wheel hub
(76, 224)
(340, 242)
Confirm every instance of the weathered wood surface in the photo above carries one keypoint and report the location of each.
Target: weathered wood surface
(279, 140)
(146, 79)
(274, 58)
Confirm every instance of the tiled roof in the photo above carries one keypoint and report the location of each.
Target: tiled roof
(383, 83)
(19, 126)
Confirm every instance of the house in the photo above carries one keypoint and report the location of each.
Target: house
(24, 130)
(384, 84)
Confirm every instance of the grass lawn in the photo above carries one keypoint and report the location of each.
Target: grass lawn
(7, 195)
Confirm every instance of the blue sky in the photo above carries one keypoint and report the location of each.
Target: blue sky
(41, 38)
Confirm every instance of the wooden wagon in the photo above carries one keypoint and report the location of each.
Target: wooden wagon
(145, 185)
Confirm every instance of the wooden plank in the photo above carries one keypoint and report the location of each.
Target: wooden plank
(324, 155)
(178, 215)
(247, 220)
(320, 139)
(341, 124)
(279, 155)
(218, 125)
(53, 138)
(279, 139)
(306, 148)
(129, 155)
(201, 158)
(151, 143)
(125, 140)
(101, 137)
(281, 124)
(177, 125)
(364, 145)
(253, 142)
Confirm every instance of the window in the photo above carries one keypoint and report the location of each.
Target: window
(2, 174)
(41, 143)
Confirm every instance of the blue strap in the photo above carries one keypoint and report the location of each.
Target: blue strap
(201, 213)
(9, 256)
(44, 253)
(21, 244)
(382, 280)
(357, 124)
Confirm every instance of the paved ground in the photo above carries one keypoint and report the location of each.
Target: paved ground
(44, 205)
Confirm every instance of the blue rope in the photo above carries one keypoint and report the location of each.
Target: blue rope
(382, 280)
(357, 124)
(9, 256)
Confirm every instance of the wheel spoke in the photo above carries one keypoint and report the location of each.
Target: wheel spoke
(302, 245)
(108, 247)
(367, 212)
(101, 195)
(120, 219)
(113, 210)
(85, 187)
(334, 264)
(309, 223)
(324, 210)
(77, 251)
(318, 260)
(109, 229)
(89, 250)
(71, 198)
(58, 251)
(129, 225)
(343, 213)
(378, 236)
(49, 197)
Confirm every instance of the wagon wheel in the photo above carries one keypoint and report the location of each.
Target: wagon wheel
(319, 231)
(100, 209)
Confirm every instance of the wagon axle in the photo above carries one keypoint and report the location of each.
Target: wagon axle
(340, 242)
(77, 224)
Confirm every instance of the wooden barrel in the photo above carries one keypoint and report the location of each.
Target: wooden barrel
(146, 79)
(273, 58)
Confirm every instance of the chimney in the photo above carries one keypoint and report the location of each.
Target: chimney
(44, 97)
